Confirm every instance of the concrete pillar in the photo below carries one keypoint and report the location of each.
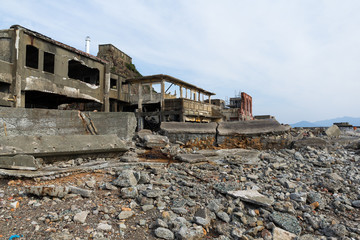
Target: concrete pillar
(151, 92)
(119, 88)
(18, 68)
(181, 91)
(199, 98)
(107, 88)
(186, 93)
(209, 99)
(129, 92)
(162, 102)
(140, 97)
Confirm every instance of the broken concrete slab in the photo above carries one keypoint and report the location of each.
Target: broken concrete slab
(333, 131)
(56, 171)
(155, 141)
(245, 156)
(48, 190)
(82, 192)
(44, 146)
(191, 158)
(20, 162)
(42, 122)
(254, 127)
(186, 131)
(252, 196)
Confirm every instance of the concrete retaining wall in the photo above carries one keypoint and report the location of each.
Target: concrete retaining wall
(43, 122)
(249, 128)
(183, 132)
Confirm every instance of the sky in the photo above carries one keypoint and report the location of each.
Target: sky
(299, 59)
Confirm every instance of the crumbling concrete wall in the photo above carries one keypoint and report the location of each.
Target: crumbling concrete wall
(43, 122)
(185, 131)
(224, 132)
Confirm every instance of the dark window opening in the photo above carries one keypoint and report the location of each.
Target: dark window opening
(32, 56)
(4, 87)
(49, 62)
(83, 73)
(37, 99)
(113, 83)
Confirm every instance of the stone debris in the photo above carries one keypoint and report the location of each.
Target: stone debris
(303, 192)
(81, 216)
(252, 196)
(48, 190)
(333, 131)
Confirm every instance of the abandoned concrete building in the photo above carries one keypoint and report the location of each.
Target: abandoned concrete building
(39, 72)
(238, 109)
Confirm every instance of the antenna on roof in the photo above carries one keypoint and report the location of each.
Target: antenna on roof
(87, 44)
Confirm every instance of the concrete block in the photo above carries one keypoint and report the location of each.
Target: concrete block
(19, 162)
(254, 127)
(184, 131)
(43, 122)
(333, 131)
(43, 146)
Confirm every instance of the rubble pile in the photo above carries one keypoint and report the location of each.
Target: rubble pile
(306, 192)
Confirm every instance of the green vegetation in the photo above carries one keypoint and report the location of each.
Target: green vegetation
(132, 68)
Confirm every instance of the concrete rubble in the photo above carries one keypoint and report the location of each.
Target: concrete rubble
(309, 189)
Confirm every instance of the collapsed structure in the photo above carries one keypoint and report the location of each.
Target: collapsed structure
(39, 72)
(103, 95)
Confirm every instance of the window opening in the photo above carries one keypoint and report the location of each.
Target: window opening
(113, 83)
(32, 56)
(49, 62)
(83, 73)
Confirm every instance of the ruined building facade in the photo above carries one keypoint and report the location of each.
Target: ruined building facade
(39, 72)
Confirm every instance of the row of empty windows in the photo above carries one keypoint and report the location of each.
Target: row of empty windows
(76, 69)
(32, 59)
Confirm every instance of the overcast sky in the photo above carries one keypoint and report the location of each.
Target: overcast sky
(299, 60)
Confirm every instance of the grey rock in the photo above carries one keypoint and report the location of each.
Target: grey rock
(333, 131)
(81, 216)
(125, 214)
(179, 210)
(191, 233)
(82, 192)
(356, 203)
(201, 221)
(225, 187)
(336, 230)
(287, 222)
(152, 193)
(298, 156)
(252, 196)
(223, 216)
(213, 206)
(161, 223)
(147, 207)
(299, 197)
(281, 234)
(155, 141)
(125, 179)
(164, 233)
(129, 192)
(104, 227)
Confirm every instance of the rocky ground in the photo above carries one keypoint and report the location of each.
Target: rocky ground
(310, 190)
